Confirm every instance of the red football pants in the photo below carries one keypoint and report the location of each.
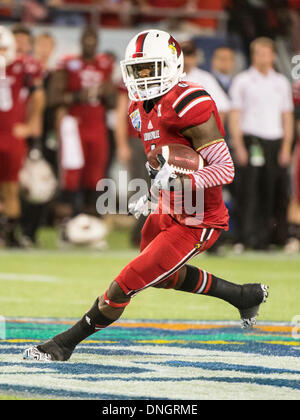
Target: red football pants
(166, 246)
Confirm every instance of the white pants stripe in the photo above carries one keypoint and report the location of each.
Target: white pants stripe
(181, 263)
(169, 272)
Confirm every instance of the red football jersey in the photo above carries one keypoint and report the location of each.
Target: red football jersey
(20, 76)
(186, 104)
(83, 74)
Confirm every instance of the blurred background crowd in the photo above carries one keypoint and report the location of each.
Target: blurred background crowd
(63, 112)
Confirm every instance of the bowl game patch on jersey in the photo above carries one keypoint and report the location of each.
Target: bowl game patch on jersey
(136, 121)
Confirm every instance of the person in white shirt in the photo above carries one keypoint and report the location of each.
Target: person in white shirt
(204, 78)
(261, 127)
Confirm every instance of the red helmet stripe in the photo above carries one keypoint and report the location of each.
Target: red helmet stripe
(139, 45)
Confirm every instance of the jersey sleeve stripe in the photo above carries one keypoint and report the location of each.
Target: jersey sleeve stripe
(192, 104)
(185, 93)
(188, 99)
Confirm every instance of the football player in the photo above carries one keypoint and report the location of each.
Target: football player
(21, 107)
(81, 87)
(180, 112)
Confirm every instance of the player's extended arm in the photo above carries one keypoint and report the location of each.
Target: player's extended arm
(57, 89)
(34, 113)
(107, 94)
(208, 142)
(59, 95)
(284, 157)
(57, 92)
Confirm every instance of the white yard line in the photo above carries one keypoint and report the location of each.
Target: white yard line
(127, 254)
(29, 277)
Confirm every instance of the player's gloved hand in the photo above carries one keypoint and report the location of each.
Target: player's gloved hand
(140, 207)
(151, 171)
(165, 175)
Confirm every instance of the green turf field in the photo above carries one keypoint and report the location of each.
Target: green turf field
(63, 283)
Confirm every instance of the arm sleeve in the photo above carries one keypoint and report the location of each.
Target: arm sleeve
(219, 169)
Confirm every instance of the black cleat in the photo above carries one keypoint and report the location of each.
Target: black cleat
(33, 353)
(253, 296)
(48, 352)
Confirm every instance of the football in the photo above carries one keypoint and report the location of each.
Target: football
(182, 158)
